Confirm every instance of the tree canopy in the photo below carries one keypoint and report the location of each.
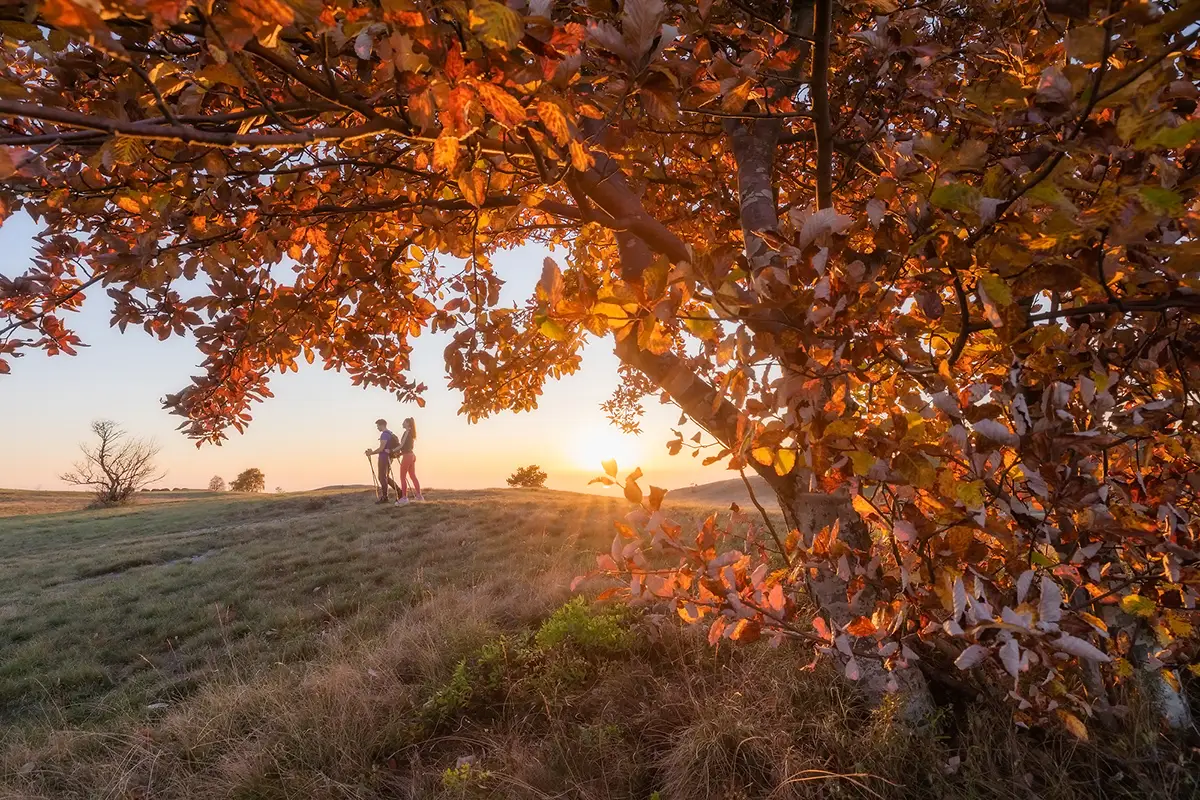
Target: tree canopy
(249, 480)
(938, 255)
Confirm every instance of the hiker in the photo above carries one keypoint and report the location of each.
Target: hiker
(408, 463)
(389, 446)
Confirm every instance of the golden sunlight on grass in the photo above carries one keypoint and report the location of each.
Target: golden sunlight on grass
(318, 646)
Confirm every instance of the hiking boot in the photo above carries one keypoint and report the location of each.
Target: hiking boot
(381, 501)
(402, 501)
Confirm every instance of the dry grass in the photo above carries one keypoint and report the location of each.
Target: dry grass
(432, 664)
(20, 503)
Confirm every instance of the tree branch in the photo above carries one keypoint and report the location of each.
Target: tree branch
(186, 133)
(822, 23)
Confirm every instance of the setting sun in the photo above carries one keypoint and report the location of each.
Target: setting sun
(596, 444)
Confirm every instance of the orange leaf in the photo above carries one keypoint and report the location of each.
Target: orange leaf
(445, 152)
(507, 110)
(633, 492)
(863, 506)
(473, 185)
(861, 627)
(656, 498)
(1073, 724)
(555, 121)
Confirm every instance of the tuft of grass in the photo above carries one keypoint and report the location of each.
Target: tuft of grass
(346, 651)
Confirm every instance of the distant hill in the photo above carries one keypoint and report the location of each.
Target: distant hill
(725, 492)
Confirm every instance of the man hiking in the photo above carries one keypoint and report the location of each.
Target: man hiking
(388, 444)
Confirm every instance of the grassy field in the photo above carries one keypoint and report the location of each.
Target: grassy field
(318, 646)
(19, 503)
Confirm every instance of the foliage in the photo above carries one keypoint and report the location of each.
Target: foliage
(591, 628)
(249, 480)
(531, 477)
(939, 257)
(116, 466)
(216, 484)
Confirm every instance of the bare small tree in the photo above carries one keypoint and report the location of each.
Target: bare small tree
(217, 484)
(117, 466)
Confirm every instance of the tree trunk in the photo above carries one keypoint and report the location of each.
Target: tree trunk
(808, 513)
(1171, 705)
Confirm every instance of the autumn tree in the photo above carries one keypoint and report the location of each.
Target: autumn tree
(116, 465)
(530, 477)
(930, 269)
(216, 484)
(249, 480)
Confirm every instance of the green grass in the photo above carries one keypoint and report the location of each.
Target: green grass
(318, 646)
(105, 612)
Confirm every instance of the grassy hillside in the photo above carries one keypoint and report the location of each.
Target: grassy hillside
(318, 646)
(719, 494)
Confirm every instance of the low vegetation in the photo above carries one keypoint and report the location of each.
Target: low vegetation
(316, 646)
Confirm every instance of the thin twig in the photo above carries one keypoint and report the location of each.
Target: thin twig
(766, 519)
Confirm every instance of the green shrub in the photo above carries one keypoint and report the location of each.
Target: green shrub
(592, 629)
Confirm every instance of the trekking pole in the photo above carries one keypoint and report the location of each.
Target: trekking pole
(374, 480)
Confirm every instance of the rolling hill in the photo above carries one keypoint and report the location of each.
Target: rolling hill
(316, 645)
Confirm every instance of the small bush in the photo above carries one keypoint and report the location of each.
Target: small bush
(590, 628)
(531, 477)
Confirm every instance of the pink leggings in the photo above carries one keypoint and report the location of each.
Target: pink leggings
(408, 469)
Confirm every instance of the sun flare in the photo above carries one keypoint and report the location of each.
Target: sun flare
(595, 445)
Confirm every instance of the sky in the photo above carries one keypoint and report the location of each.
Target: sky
(313, 432)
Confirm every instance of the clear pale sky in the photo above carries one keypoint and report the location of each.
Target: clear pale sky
(313, 432)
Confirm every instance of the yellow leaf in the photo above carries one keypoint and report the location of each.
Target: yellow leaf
(970, 493)
(1179, 625)
(1137, 605)
(610, 466)
(997, 289)
(763, 455)
(496, 24)
(862, 462)
(785, 461)
(1094, 621)
(1122, 668)
(552, 330)
(445, 152)
(1073, 724)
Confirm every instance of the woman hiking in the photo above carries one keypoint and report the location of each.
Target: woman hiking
(408, 462)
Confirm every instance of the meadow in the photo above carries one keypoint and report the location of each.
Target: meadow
(317, 646)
